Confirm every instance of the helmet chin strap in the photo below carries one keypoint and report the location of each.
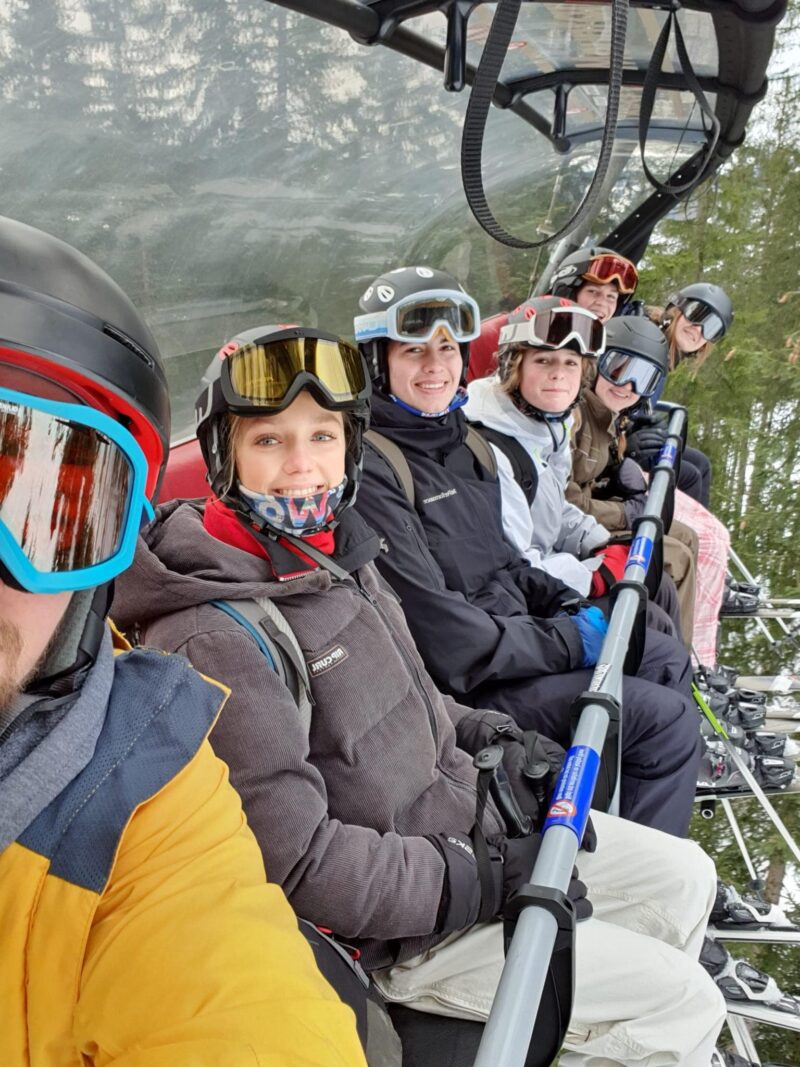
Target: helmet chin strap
(458, 401)
(74, 646)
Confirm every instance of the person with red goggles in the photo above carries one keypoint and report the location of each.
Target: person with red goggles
(137, 921)
(596, 278)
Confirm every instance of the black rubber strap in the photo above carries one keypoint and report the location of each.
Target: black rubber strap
(480, 99)
(482, 858)
(712, 130)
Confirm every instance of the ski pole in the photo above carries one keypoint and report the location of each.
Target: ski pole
(541, 908)
(733, 822)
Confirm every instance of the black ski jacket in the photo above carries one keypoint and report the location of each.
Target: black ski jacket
(478, 612)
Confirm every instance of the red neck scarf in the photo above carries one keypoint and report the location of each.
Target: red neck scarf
(220, 521)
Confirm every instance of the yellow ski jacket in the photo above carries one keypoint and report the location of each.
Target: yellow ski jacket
(136, 925)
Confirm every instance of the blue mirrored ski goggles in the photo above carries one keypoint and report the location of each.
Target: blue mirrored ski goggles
(419, 316)
(72, 493)
(621, 367)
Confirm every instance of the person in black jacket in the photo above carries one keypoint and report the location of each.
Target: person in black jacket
(494, 631)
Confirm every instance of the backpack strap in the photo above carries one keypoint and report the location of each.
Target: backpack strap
(268, 627)
(523, 468)
(481, 450)
(393, 455)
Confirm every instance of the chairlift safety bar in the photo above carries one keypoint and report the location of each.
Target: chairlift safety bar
(508, 1030)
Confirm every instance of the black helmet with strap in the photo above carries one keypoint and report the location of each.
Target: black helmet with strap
(594, 263)
(261, 372)
(637, 352)
(83, 383)
(411, 304)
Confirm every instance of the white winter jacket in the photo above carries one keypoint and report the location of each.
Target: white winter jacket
(552, 533)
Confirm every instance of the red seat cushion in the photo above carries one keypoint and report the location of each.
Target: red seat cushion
(483, 350)
(185, 476)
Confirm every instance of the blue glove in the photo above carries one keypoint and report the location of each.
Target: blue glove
(592, 627)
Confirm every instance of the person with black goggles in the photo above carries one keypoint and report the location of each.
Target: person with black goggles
(605, 481)
(596, 278)
(493, 630)
(366, 807)
(695, 319)
(124, 855)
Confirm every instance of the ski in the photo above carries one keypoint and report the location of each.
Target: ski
(779, 715)
(790, 614)
(769, 683)
(705, 794)
(759, 1013)
(764, 934)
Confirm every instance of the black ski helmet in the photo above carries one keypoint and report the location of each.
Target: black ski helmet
(211, 415)
(384, 293)
(636, 335)
(64, 320)
(573, 269)
(77, 326)
(712, 296)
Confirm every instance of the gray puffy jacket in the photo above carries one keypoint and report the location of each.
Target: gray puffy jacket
(341, 814)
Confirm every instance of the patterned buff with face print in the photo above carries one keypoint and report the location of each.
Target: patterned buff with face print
(301, 516)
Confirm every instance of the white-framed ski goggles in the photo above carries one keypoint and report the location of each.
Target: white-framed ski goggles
(558, 327)
(700, 314)
(419, 316)
(619, 368)
(72, 491)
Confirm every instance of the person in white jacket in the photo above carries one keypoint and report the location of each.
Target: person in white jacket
(543, 348)
(553, 534)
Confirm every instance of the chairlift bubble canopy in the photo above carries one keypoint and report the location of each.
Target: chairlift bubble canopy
(232, 165)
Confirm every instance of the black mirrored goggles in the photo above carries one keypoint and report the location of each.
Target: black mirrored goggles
(567, 327)
(266, 377)
(620, 368)
(700, 314)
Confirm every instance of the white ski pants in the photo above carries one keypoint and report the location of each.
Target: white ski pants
(641, 997)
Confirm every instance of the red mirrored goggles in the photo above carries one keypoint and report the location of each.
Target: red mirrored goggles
(610, 268)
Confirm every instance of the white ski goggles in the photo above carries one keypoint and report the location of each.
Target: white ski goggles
(560, 327)
(72, 493)
(620, 368)
(419, 316)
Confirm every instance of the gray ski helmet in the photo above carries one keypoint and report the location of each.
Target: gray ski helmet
(577, 268)
(637, 336)
(384, 293)
(715, 299)
(211, 412)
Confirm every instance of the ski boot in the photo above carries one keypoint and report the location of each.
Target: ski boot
(740, 598)
(733, 910)
(719, 773)
(739, 980)
(773, 743)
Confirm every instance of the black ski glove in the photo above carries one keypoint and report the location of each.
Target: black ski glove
(646, 441)
(531, 761)
(465, 901)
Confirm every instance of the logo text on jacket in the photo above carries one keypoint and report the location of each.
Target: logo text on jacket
(327, 661)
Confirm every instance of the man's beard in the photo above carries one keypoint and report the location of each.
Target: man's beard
(10, 652)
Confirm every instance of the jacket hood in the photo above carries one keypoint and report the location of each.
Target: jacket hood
(178, 564)
(494, 408)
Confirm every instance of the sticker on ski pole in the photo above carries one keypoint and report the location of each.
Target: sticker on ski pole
(639, 555)
(572, 798)
(668, 453)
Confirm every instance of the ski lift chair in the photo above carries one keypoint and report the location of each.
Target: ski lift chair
(483, 350)
(185, 476)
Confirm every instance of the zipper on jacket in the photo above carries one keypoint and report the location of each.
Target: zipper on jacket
(407, 659)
